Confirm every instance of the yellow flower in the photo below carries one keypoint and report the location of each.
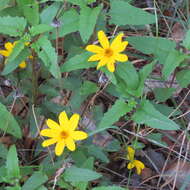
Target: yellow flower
(8, 50)
(108, 54)
(134, 163)
(63, 134)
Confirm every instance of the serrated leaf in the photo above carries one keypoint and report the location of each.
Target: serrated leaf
(39, 29)
(13, 171)
(30, 9)
(108, 188)
(186, 41)
(77, 62)
(119, 109)
(147, 114)
(173, 60)
(47, 53)
(74, 174)
(160, 47)
(123, 13)
(183, 78)
(128, 73)
(8, 123)
(87, 21)
(35, 181)
(12, 26)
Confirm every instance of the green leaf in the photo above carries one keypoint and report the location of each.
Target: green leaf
(87, 22)
(3, 153)
(162, 94)
(128, 73)
(4, 4)
(183, 78)
(123, 13)
(157, 139)
(12, 26)
(77, 62)
(49, 13)
(74, 174)
(8, 123)
(160, 47)
(147, 114)
(186, 41)
(88, 87)
(69, 22)
(39, 29)
(47, 53)
(89, 163)
(13, 171)
(173, 60)
(99, 130)
(35, 181)
(119, 109)
(30, 9)
(108, 188)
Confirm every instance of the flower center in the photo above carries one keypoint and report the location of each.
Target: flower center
(108, 52)
(64, 134)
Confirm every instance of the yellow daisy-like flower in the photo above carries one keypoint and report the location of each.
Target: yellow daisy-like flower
(108, 54)
(132, 162)
(8, 50)
(63, 134)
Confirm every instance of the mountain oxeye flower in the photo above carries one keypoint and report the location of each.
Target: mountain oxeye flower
(108, 54)
(8, 50)
(64, 133)
(132, 162)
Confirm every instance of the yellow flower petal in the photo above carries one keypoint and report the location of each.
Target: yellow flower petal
(102, 62)
(63, 119)
(131, 153)
(96, 57)
(22, 65)
(59, 147)
(9, 46)
(117, 41)
(70, 144)
(130, 165)
(52, 124)
(49, 142)
(139, 166)
(4, 53)
(103, 39)
(49, 132)
(79, 135)
(111, 65)
(94, 49)
(121, 47)
(73, 122)
(121, 57)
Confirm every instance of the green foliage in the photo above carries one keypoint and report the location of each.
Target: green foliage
(30, 10)
(39, 29)
(162, 94)
(186, 41)
(13, 171)
(108, 188)
(74, 174)
(119, 109)
(13, 26)
(147, 114)
(87, 21)
(8, 123)
(35, 181)
(47, 54)
(123, 13)
(183, 78)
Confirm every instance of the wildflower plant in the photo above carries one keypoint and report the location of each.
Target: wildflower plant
(65, 49)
